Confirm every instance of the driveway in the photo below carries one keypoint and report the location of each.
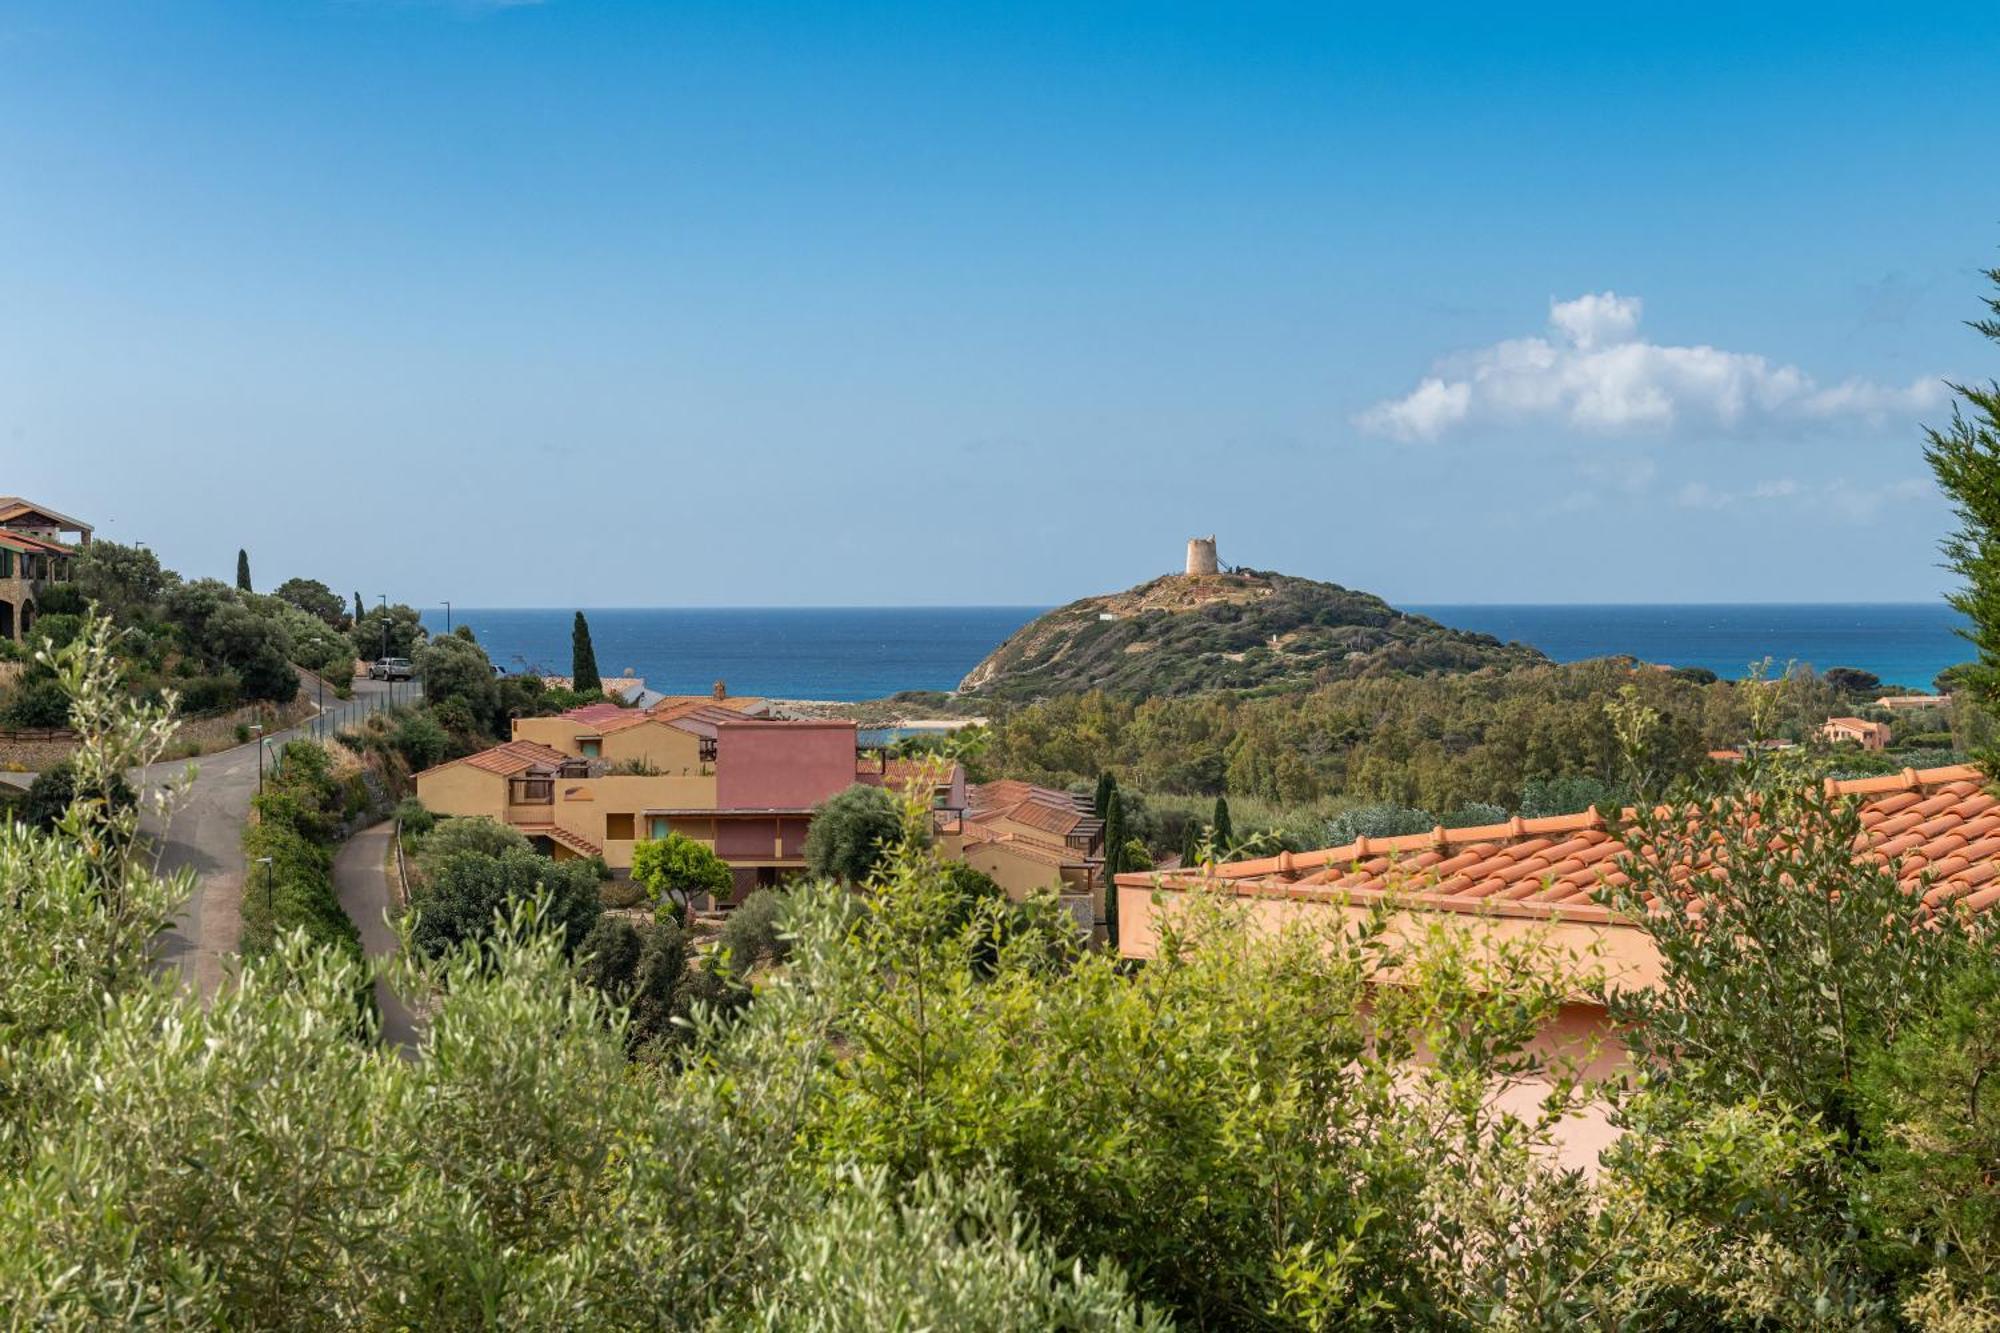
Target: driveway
(204, 833)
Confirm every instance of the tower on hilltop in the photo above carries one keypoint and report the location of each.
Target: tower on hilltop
(1201, 555)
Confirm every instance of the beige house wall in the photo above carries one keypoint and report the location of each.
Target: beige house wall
(1019, 876)
(667, 748)
(460, 789)
(1582, 1034)
(586, 807)
(1623, 953)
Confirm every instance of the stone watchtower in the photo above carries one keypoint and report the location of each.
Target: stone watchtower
(1201, 555)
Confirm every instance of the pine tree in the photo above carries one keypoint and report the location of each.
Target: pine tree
(1106, 784)
(242, 570)
(1965, 458)
(1114, 863)
(583, 677)
(1221, 835)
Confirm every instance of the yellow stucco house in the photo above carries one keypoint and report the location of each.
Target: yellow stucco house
(598, 780)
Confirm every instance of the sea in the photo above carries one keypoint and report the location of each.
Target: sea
(851, 653)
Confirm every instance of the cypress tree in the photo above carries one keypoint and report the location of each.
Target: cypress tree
(583, 677)
(1106, 784)
(242, 570)
(1191, 844)
(1114, 863)
(357, 608)
(1221, 834)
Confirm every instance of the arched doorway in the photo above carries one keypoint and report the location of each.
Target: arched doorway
(7, 622)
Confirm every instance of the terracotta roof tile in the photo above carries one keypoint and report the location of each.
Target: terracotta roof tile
(1940, 825)
(512, 758)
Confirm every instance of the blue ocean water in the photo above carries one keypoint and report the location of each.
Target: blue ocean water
(849, 653)
(842, 653)
(1905, 643)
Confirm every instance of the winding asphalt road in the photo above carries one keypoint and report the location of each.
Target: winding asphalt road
(204, 833)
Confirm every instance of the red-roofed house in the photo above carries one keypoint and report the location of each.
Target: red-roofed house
(32, 555)
(598, 780)
(1940, 827)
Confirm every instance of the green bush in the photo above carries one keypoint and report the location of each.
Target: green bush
(299, 818)
(420, 740)
(752, 933)
(852, 832)
(36, 703)
(415, 819)
(463, 893)
(55, 789)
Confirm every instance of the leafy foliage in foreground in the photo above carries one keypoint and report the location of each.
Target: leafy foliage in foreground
(940, 1112)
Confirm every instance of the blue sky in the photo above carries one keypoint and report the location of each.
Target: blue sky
(598, 303)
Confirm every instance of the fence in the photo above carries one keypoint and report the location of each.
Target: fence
(338, 715)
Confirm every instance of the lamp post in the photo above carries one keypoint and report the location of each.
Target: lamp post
(447, 615)
(383, 598)
(258, 728)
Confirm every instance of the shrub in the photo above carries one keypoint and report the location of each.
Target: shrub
(55, 788)
(415, 819)
(852, 833)
(463, 893)
(608, 957)
(475, 834)
(35, 703)
(751, 934)
(420, 740)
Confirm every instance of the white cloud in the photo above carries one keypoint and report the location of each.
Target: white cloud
(1595, 373)
(1838, 498)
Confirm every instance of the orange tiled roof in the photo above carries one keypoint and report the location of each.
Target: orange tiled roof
(976, 835)
(1940, 823)
(1042, 808)
(676, 705)
(576, 842)
(513, 757)
(592, 714)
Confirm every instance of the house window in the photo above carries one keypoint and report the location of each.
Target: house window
(591, 749)
(618, 828)
(657, 827)
(6, 564)
(708, 749)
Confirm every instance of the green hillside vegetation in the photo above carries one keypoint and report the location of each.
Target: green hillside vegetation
(1242, 631)
(1535, 740)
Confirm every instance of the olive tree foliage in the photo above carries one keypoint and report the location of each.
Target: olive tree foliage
(1784, 1156)
(83, 902)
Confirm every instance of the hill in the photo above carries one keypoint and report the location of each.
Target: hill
(1244, 630)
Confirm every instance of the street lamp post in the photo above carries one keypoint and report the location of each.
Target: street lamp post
(258, 728)
(447, 615)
